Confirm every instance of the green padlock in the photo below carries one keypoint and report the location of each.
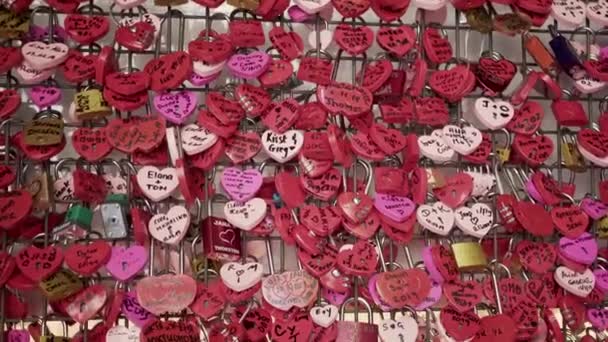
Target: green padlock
(77, 223)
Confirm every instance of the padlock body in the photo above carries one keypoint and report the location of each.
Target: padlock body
(221, 241)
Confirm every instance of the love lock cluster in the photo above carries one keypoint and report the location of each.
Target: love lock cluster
(427, 191)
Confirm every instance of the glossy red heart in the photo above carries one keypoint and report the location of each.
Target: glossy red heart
(403, 287)
(10, 57)
(7, 266)
(79, 68)
(593, 141)
(324, 187)
(437, 47)
(495, 74)
(91, 143)
(169, 71)
(354, 39)
(10, 101)
(432, 111)
(534, 150)
(226, 111)
(136, 133)
(355, 207)
(456, 191)
(459, 325)
(210, 122)
(396, 39)
(209, 300)
(14, 207)
(86, 259)
(389, 140)
(451, 83)
(290, 189)
(360, 260)
(128, 83)
(135, 37)
(254, 100)
(570, 220)
(86, 29)
(242, 146)
(323, 221)
(277, 73)
(210, 51)
(39, 263)
(376, 74)
(365, 229)
(533, 218)
(543, 291)
(537, 257)
(280, 116)
(351, 8)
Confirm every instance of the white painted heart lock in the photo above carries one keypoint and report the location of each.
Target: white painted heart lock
(589, 85)
(245, 215)
(147, 18)
(475, 221)
(433, 147)
(463, 140)
(568, 13)
(282, 147)
(239, 277)
(119, 333)
(311, 6)
(403, 329)
(429, 5)
(44, 56)
(437, 218)
(206, 70)
(597, 12)
(579, 284)
(482, 183)
(493, 114)
(601, 162)
(157, 184)
(196, 139)
(325, 315)
(63, 190)
(326, 37)
(171, 227)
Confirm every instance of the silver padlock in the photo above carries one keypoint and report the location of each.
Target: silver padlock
(114, 220)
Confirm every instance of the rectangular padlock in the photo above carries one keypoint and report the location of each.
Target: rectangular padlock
(540, 54)
(44, 132)
(52, 338)
(357, 332)
(60, 285)
(602, 227)
(90, 104)
(566, 55)
(13, 25)
(114, 220)
(221, 241)
(569, 113)
(77, 223)
(469, 256)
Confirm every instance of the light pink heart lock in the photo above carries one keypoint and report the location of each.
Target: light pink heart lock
(583, 249)
(579, 284)
(43, 56)
(44, 96)
(28, 74)
(397, 208)
(241, 185)
(249, 66)
(126, 262)
(166, 293)
(568, 13)
(176, 106)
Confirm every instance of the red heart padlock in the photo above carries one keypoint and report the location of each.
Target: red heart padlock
(10, 57)
(316, 146)
(9, 103)
(209, 300)
(403, 287)
(527, 118)
(354, 39)
(128, 83)
(289, 44)
(351, 8)
(207, 159)
(158, 156)
(389, 10)
(437, 47)
(91, 143)
(311, 115)
(320, 264)
(463, 295)
(569, 113)
(400, 112)
(376, 74)
(246, 33)
(456, 191)
(125, 102)
(37, 153)
(315, 70)
(391, 180)
(543, 291)
(432, 111)
(389, 140)
(495, 74)
(14, 207)
(278, 73)
(323, 221)
(313, 168)
(533, 218)
(257, 322)
(86, 259)
(482, 153)
(210, 122)
(365, 229)
(86, 29)
(359, 260)
(254, 100)
(296, 329)
(547, 188)
(496, 328)
(225, 110)
(39, 263)
(212, 51)
(281, 116)
(135, 37)
(459, 325)
(79, 68)
(537, 257)
(169, 71)
(7, 175)
(593, 141)
(444, 262)
(534, 150)
(362, 145)
(160, 330)
(396, 40)
(136, 133)
(7, 266)
(290, 189)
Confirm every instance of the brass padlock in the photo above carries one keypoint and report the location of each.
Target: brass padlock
(251, 5)
(13, 25)
(571, 157)
(53, 338)
(479, 19)
(90, 104)
(602, 227)
(45, 130)
(38, 186)
(469, 256)
(435, 178)
(60, 285)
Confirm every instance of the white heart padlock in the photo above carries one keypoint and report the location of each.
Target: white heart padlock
(325, 315)
(206, 70)
(482, 183)
(579, 284)
(475, 221)
(568, 13)
(119, 333)
(463, 140)
(196, 139)
(245, 215)
(403, 329)
(239, 277)
(433, 147)
(282, 147)
(597, 12)
(63, 190)
(326, 37)
(171, 227)
(589, 85)
(429, 5)
(115, 184)
(157, 184)
(493, 114)
(437, 218)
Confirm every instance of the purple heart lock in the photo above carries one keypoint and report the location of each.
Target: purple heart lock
(249, 66)
(126, 262)
(44, 96)
(583, 249)
(241, 185)
(134, 312)
(601, 280)
(396, 208)
(432, 297)
(594, 208)
(429, 265)
(598, 318)
(176, 106)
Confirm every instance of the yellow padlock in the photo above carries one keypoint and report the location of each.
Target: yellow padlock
(13, 25)
(52, 338)
(602, 227)
(251, 5)
(434, 178)
(571, 157)
(469, 256)
(503, 154)
(60, 285)
(44, 131)
(90, 104)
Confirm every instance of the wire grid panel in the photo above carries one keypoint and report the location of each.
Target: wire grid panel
(272, 252)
